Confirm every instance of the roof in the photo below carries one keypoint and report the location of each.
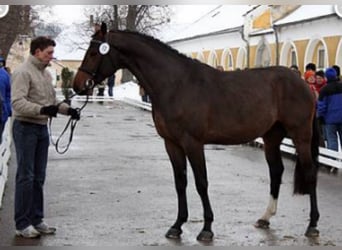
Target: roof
(227, 17)
(219, 18)
(307, 12)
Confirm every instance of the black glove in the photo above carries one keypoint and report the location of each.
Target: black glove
(75, 115)
(49, 110)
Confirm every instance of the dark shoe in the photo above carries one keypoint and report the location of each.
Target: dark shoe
(44, 228)
(28, 232)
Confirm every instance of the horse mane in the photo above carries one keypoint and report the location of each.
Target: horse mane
(156, 41)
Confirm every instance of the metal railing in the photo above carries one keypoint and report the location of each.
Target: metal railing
(5, 154)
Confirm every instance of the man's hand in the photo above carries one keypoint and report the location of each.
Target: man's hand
(49, 110)
(75, 115)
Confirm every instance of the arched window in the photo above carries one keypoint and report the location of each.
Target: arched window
(263, 58)
(227, 60)
(293, 57)
(320, 57)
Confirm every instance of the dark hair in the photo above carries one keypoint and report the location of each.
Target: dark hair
(310, 66)
(338, 71)
(320, 73)
(294, 66)
(41, 42)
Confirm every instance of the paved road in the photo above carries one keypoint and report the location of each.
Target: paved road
(114, 187)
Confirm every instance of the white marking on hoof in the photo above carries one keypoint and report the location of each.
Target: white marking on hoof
(271, 209)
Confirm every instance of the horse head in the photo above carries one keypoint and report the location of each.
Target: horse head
(98, 62)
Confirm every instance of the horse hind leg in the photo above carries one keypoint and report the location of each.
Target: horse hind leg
(178, 161)
(305, 178)
(272, 141)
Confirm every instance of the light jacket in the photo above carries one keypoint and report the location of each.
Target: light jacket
(31, 90)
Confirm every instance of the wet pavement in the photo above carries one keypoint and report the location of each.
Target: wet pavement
(114, 187)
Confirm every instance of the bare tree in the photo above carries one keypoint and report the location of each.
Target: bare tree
(21, 22)
(142, 18)
(17, 22)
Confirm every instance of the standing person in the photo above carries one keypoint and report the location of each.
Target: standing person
(101, 88)
(338, 71)
(33, 102)
(143, 94)
(329, 109)
(321, 81)
(296, 69)
(110, 83)
(310, 66)
(220, 68)
(5, 92)
(310, 79)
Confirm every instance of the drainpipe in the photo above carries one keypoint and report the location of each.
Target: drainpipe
(276, 35)
(247, 44)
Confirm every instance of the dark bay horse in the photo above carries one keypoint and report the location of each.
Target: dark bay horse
(194, 104)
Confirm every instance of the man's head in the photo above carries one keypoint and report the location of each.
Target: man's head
(42, 48)
(330, 74)
(2, 62)
(310, 66)
(338, 70)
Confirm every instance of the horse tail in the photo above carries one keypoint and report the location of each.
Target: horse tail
(305, 178)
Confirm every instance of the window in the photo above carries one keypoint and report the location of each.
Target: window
(321, 57)
(263, 58)
(230, 61)
(293, 57)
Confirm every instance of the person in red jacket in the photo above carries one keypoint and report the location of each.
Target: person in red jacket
(321, 80)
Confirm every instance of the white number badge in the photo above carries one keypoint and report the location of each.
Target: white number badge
(104, 48)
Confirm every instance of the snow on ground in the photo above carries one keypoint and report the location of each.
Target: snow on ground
(126, 90)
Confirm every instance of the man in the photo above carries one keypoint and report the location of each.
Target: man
(111, 83)
(329, 108)
(5, 92)
(33, 102)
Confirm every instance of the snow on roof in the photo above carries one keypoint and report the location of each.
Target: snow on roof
(305, 12)
(231, 16)
(219, 18)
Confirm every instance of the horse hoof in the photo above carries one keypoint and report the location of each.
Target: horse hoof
(205, 236)
(264, 224)
(312, 232)
(173, 233)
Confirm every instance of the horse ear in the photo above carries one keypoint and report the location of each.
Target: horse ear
(104, 28)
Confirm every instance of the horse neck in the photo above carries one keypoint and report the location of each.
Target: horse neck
(151, 63)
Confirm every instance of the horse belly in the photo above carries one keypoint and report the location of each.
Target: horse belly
(238, 127)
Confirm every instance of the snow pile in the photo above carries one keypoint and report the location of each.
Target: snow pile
(127, 90)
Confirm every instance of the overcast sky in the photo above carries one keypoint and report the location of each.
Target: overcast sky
(183, 13)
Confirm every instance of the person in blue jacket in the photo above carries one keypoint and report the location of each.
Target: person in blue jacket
(329, 108)
(5, 92)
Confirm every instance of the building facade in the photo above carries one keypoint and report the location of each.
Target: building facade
(270, 35)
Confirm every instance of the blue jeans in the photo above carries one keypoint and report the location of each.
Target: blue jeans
(2, 128)
(332, 130)
(31, 145)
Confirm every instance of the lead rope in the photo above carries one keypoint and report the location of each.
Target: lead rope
(72, 123)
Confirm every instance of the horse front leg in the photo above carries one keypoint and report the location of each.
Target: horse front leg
(272, 142)
(195, 153)
(178, 161)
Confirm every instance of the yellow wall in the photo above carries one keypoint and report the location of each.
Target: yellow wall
(332, 44)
